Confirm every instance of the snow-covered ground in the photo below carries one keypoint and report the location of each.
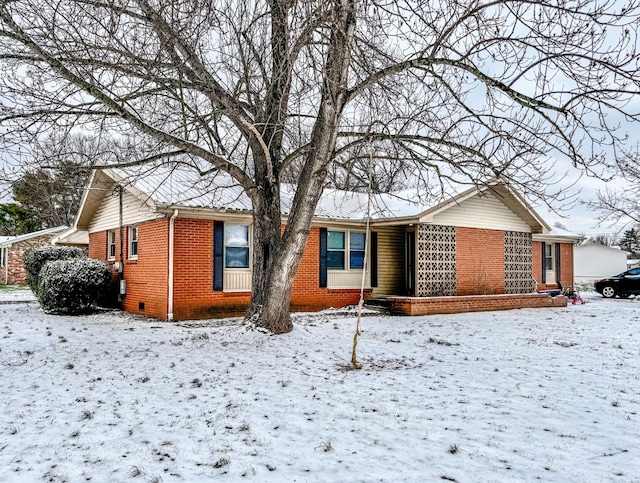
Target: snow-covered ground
(13, 293)
(546, 394)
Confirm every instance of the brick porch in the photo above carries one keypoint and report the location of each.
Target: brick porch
(472, 303)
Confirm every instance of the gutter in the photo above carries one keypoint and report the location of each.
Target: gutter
(244, 216)
(171, 250)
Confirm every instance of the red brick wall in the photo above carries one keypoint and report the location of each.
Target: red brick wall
(566, 265)
(479, 261)
(98, 245)
(14, 273)
(307, 295)
(147, 277)
(194, 297)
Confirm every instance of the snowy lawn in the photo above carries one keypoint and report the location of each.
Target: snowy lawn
(545, 394)
(16, 293)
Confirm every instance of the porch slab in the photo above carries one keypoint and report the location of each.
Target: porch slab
(472, 303)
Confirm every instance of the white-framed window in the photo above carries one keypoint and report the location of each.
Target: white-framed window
(236, 246)
(111, 244)
(336, 250)
(133, 242)
(548, 257)
(357, 242)
(345, 250)
(4, 251)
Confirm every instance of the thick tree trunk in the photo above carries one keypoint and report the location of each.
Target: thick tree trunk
(276, 258)
(276, 254)
(273, 266)
(269, 307)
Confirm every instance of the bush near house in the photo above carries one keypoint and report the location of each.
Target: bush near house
(35, 259)
(72, 286)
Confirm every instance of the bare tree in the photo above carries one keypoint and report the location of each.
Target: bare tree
(623, 205)
(560, 225)
(454, 91)
(51, 187)
(602, 239)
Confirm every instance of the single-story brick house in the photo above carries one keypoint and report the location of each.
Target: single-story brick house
(186, 248)
(12, 250)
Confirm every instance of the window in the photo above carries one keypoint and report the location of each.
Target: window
(133, 242)
(356, 250)
(111, 244)
(3, 256)
(236, 246)
(548, 256)
(338, 253)
(335, 250)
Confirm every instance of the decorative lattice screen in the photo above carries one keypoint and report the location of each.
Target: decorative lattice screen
(436, 260)
(518, 276)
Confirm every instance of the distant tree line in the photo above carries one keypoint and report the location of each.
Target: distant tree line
(48, 193)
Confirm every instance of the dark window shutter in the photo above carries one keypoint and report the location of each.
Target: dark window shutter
(374, 259)
(558, 262)
(544, 263)
(218, 251)
(323, 257)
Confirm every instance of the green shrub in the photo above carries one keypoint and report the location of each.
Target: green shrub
(35, 258)
(72, 286)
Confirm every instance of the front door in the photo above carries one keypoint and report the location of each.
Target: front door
(410, 263)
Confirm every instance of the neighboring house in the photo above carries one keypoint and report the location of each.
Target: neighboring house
(72, 238)
(594, 261)
(186, 249)
(12, 250)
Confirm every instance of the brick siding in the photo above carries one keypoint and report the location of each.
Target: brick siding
(147, 277)
(98, 245)
(194, 297)
(566, 266)
(14, 273)
(480, 270)
(473, 303)
(307, 296)
(479, 261)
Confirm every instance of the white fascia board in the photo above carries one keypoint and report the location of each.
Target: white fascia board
(556, 238)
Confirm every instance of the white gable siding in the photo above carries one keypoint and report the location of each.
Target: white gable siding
(484, 211)
(133, 211)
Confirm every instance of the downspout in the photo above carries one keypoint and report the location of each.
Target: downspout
(6, 264)
(171, 249)
(120, 221)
